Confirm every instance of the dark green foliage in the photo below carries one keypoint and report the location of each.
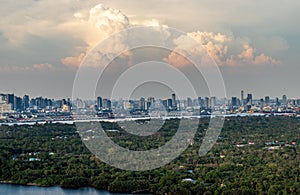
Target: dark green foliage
(53, 154)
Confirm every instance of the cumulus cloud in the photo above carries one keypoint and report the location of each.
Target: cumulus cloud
(73, 61)
(177, 60)
(88, 24)
(225, 50)
(102, 22)
(108, 20)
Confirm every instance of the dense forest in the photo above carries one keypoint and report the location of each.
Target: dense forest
(253, 155)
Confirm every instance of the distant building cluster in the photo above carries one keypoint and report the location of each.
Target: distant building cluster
(19, 108)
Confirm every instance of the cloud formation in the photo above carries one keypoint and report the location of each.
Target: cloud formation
(92, 25)
(226, 50)
(102, 23)
(34, 67)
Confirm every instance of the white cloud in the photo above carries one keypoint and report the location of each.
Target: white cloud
(101, 24)
(96, 24)
(228, 50)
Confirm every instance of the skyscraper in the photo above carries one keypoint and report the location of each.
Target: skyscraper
(25, 102)
(142, 103)
(106, 104)
(267, 100)
(189, 102)
(284, 100)
(277, 102)
(10, 99)
(249, 99)
(242, 97)
(99, 103)
(18, 104)
(174, 104)
(213, 102)
(233, 102)
(206, 102)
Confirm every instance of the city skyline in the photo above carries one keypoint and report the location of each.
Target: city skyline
(169, 95)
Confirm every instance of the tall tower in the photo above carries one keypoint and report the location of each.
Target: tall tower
(99, 103)
(25, 102)
(284, 100)
(267, 100)
(242, 97)
(174, 104)
(10, 99)
(249, 99)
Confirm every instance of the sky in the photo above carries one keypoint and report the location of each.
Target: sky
(255, 44)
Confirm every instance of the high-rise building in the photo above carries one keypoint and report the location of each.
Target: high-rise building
(142, 103)
(284, 100)
(298, 102)
(5, 108)
(169, 104)
(213, 102)
(189, 102)
(233, 102)
(200, 102)
(25, 102)
(267, 100)
(150, 102)
(206, 102)
(174, 104)
(242, 97)
(18, 104)
(261, 103)
(40, 102)
(99, 103)
(2, 98)
(10, 99)
(277, 101)
(165, 104)
(106, 104)
(249, 99)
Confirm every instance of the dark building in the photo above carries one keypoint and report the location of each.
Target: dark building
(213, 102)
(40, 102)
(261, 103)
(249, 99)
(200, 102)
(284, 100)
(169, 104)
(18, 104)
(25, 102)
(99, 103)
(142, 104)
(298, 102)
(206, 102)
(233, 102)
(2, 97)
(242, 97)
(106, 104)
(150, 102)
(174, 104)
(189, 102)
(267, 100)
(277, 102)
(10, 99)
